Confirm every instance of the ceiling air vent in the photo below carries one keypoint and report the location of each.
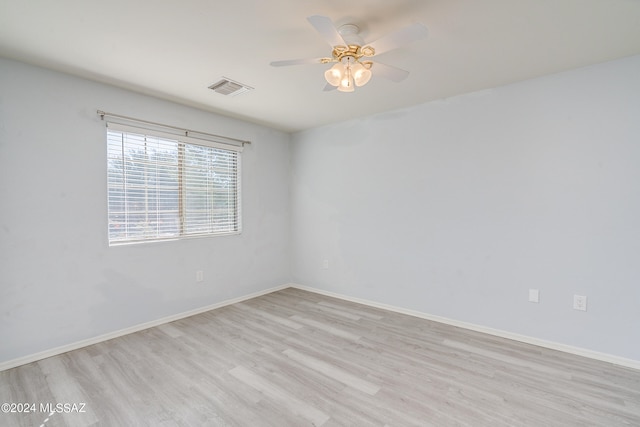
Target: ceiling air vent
(229, 87)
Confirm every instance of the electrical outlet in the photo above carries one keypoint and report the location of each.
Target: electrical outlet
(325, 264)
(534, 295)
(199, 276)
(580, 302)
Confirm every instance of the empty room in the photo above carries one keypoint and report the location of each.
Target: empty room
(320, 213)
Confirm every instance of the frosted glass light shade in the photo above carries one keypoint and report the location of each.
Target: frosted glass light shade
(361, 75)
(346, 84)
(333, 75)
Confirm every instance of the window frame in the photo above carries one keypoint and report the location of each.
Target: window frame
(183, 143)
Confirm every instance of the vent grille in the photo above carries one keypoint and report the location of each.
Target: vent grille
(229, 87)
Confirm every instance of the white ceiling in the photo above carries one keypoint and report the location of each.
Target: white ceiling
(176, 49)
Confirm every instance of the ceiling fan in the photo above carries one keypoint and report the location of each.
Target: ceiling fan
(351, 55)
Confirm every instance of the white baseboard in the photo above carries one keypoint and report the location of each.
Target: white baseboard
(604, 357)
(105, 337)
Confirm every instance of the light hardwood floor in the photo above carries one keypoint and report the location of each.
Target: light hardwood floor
(295, 358)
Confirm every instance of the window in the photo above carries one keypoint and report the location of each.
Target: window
(161, 187)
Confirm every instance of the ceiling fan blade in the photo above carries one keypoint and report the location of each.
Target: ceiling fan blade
(400, 38)
(296, 62)
(329, 87)
(327, 30)
(388, 72)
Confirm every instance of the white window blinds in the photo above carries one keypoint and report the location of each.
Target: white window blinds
(161, 187)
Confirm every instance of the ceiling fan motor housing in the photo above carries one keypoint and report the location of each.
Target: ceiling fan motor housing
(349, 33)
(354, 48)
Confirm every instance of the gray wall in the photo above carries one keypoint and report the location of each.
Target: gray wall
(59, 280)
(453, 208)
(456, 208)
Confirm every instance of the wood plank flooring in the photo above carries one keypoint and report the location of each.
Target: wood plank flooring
(295, 358)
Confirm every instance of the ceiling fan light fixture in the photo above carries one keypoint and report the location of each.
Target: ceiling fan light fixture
(346, 83)
(361, 74)
(334, 74)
